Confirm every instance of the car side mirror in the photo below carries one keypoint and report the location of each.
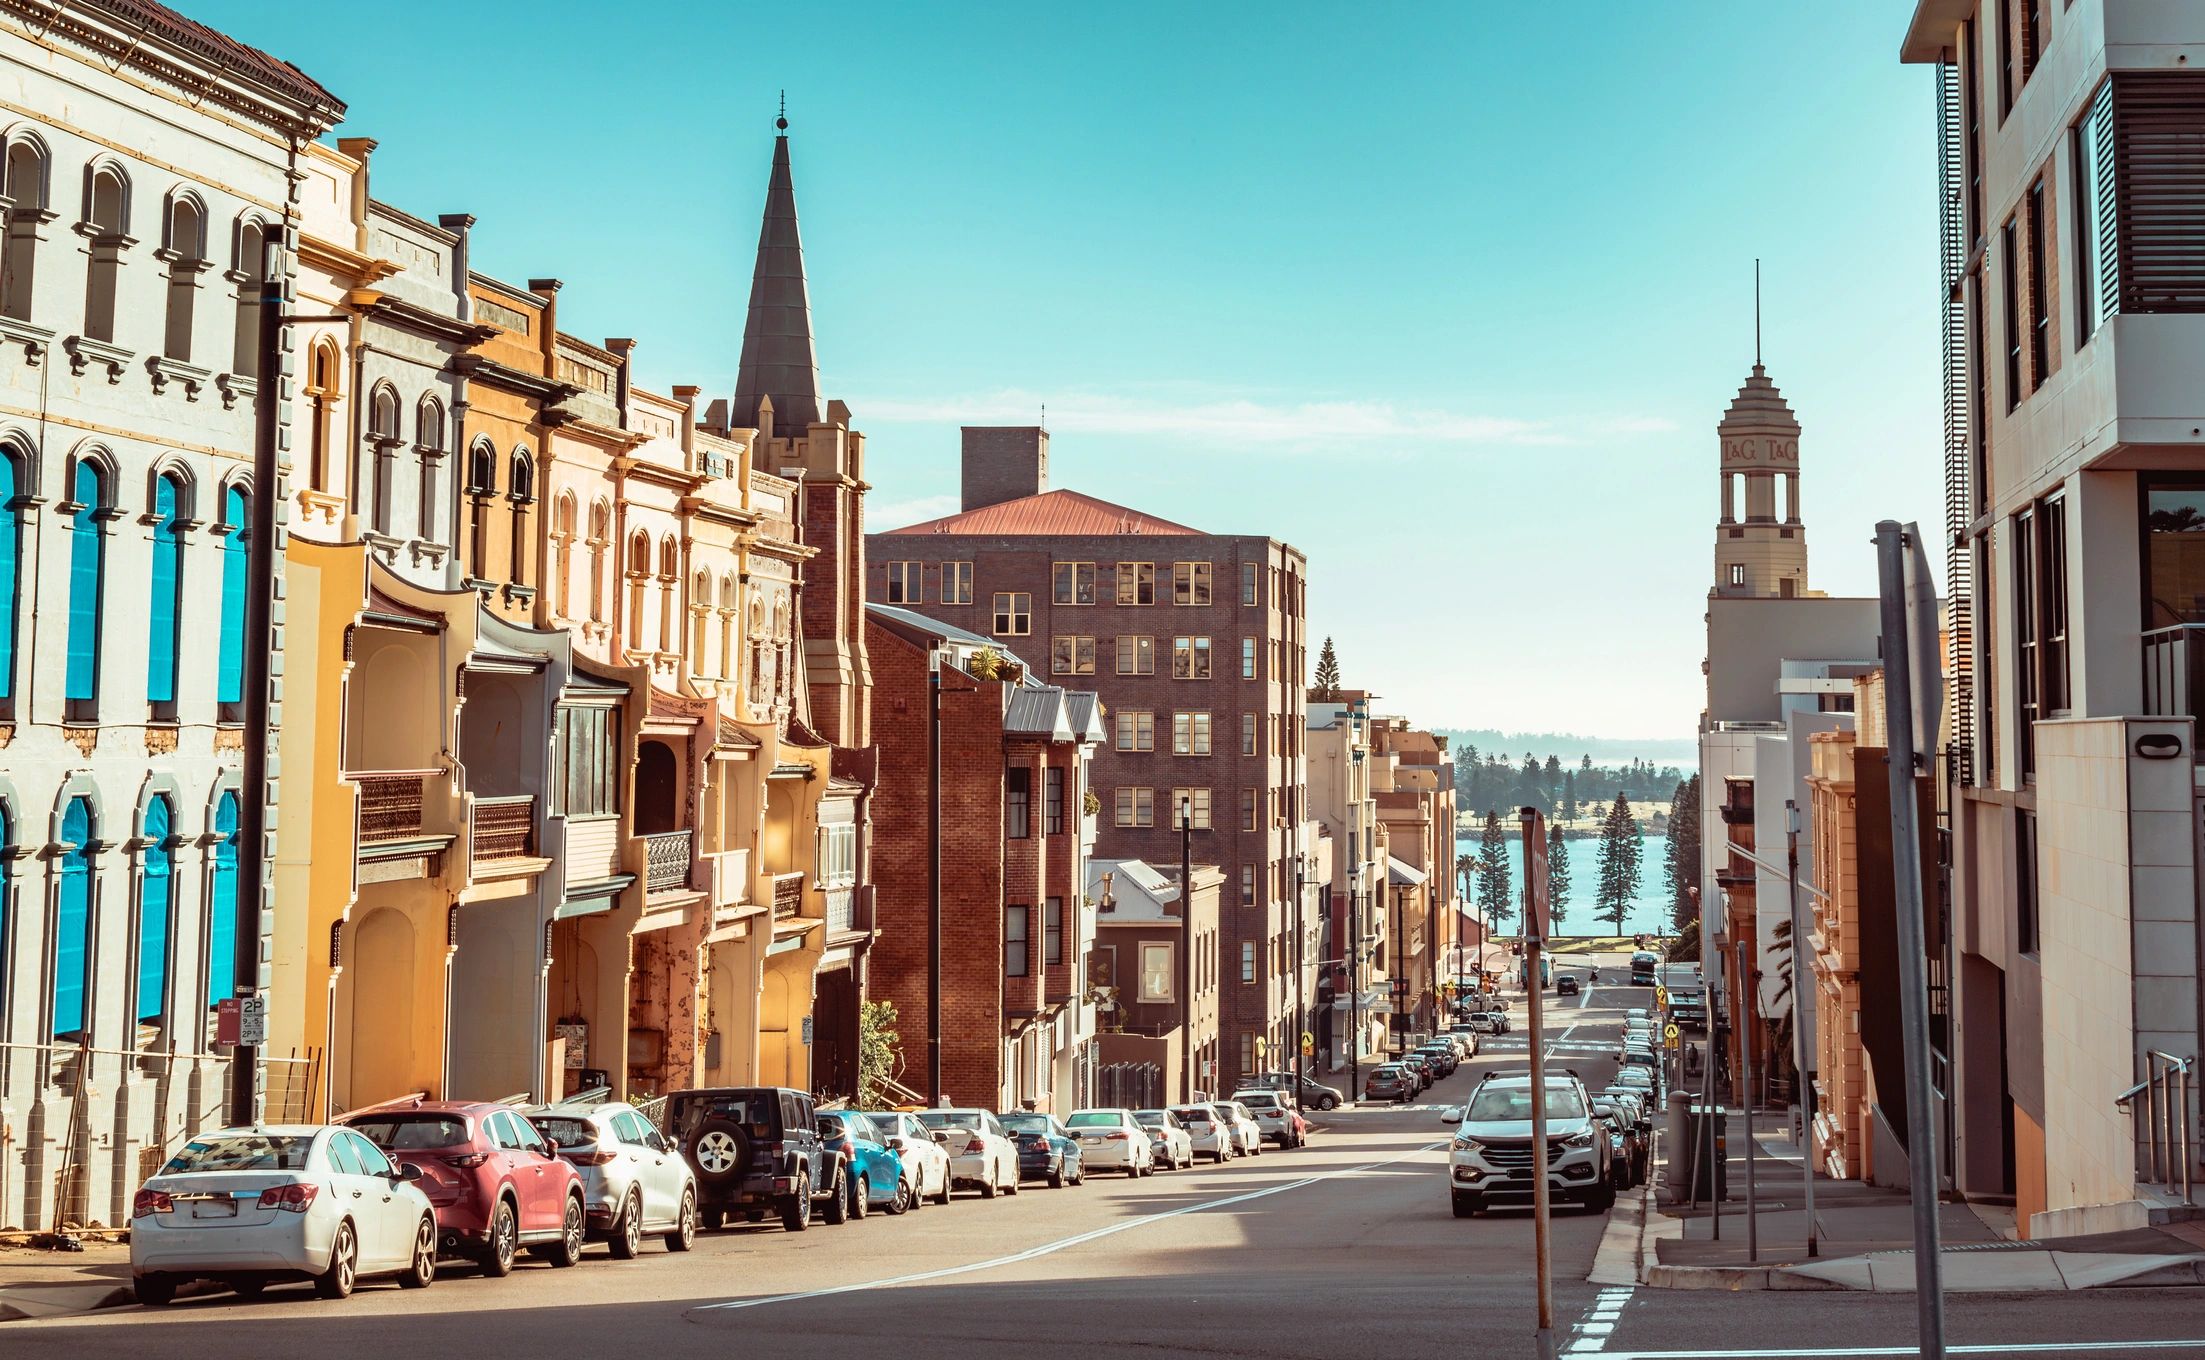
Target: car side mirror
(1451, 1115)
(940, 1136)
(405, 1172)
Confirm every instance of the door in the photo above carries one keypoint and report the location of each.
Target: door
(387, 1223)
(657, 1178)
(348, 1184)
(533, 1186)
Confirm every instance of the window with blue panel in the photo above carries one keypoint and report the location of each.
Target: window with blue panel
(87, 568)
(155, 911)
(164, 611)
(73, 924)
(229, 688)
(11, 535)
(222, 904)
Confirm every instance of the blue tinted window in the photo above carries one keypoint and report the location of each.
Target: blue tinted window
(230, 678)
(87, 563)
(164, 608)
(154, 912)
(73, 921)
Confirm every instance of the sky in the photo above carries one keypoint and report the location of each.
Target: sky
(1448, 295)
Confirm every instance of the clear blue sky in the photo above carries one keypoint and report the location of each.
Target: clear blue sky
(1449, 295)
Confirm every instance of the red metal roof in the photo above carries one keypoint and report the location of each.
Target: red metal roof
(1051, 512)
(239, 59)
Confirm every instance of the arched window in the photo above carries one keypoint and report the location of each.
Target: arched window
(7, 842)
(562, 556)
(482, 480)
(522, 488)
(87, 570)
(108, 213)
(600, 544)
(27, 168)
(252, 268)
(700, 612)
(11, 540)
(222, 903)
(482, 468)
(669, 575)
(156, 899)
(384, 438)
(321, 395)
(229, 682)
(429, 447)
(165, 608)
(728, 608)
(187, 255)
(73, 923)
(639, 577)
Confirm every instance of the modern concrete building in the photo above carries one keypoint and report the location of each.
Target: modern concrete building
(2073, 311)
(1195, 641)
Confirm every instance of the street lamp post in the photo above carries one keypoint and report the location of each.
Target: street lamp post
(1186, 954)
(934, 1092)
(1301, 1014)
(1355, 982)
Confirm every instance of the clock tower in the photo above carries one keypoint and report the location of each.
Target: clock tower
(1760, 545)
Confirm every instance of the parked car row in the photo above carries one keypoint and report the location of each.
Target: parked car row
(1430, 1060)
(393, 1189)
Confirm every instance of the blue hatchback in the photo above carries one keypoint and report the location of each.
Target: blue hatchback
(1045, 1150)
(876, 1179)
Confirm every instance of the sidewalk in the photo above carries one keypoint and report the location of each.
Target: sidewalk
(36, 1283)
(1865, 1239)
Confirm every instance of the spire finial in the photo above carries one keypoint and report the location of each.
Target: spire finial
(782, 121)
(1757, 311)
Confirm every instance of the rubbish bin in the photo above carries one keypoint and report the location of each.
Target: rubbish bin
(1691, 1172)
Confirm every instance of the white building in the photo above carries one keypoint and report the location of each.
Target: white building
(146, 163)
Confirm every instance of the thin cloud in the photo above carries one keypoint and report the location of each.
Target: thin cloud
(896, 514)
(1272, 425)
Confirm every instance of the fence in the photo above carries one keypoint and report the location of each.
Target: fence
(1132, 1086)
(2165, 1120)
(82, 1127)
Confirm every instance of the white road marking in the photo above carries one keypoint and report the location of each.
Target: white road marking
(1852, 1352)
(1051, 1248)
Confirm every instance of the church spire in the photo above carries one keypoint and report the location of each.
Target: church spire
(779, 363)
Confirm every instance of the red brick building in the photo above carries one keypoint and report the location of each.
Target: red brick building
(1194, 641)
(1016, 1023)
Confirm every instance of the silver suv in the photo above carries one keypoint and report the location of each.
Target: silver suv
(1491, 1157)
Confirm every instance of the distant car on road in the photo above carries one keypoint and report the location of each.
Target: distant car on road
(1047, 1151)
(1645, 965)
(1566, 985)
(1274, 1116)
(1311, 1093)
(1113, 1140)
(1209, 1131)
(1390, 1081)
(1169, 1139)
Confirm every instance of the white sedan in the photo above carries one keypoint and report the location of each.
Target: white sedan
(1169, 1141)
(1247, 1133)
(925, 1163)
(290, 1202)
(1210, 1132)
(1112, 1140)
(982, 1154)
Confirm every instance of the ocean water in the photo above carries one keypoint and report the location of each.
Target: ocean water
(1649, 911)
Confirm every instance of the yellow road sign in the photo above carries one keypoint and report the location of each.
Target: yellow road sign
(1669, 1035)
(1661, 996)
(1309, 1045)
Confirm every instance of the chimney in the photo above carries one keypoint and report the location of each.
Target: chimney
(1003, 463)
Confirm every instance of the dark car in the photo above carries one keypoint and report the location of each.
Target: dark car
(1427, 1070)
(1644, 965)
(1389, 1082)
(1441, 1053)
(1045, 1151)
(496, 1182)
(1311, 1093)
(754, 1149)
(1628, 1144)
(1566, 985)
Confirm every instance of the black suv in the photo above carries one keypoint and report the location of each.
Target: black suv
(753, 1149)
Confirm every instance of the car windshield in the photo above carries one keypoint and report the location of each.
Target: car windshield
(1193, 1114)
(563, 1130)
(1026, 1123)
(755, 1110)
(951, 1119)
(888, 1122)
(1152, 1116)
(409, 1132)
(1635, 1076)
(1498, 1103)
(1093, 1119)
(241, 1152)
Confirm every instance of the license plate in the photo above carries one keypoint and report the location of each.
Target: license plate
(214, 1208)
(1090, 1140)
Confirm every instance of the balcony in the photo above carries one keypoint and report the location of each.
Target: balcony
(2174, 685)
(666, 859)
(391, 805)
(788, 896)
(505, 828)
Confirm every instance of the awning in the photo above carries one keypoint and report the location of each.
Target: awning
(588, 899)
(1376, 1001)
(1403, 875)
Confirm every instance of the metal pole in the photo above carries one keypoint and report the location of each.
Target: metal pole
(1186, 955)
(1747, 993)
(1799, 1028)
(1355, 982)
(934, 1093)
(1433, 886)
(260, 569)
(1301, 1013)
(1906, 850)
(2188, 1159)
(1541, 1207)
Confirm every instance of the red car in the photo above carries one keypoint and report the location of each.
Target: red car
(496, 1183)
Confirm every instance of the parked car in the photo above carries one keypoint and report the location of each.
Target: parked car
(981, 1153)
(497, 1185)
(872, 1174)
(1245, 1128)
(1492, 1157)
(1113, 1140)
(1646, 1079)
(1308, 1091)
(754, 1149)
(1208, 1131)
(1566, 985)
(1626, 1143)
(1427, 1071)
(1277, 1120)
(1478, 1023)
(1169, 1140)
(633, 1181)
(1465, 1041)
(1389, 1081)
(1443, 1056)
(254, 1206)
(1644, 965)
(925, 1162)
(1046, 1149)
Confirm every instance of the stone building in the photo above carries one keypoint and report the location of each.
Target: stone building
(1143, 923)
(129, 377)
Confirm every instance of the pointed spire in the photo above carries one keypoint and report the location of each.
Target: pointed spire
(778, 358)
(1757, 314)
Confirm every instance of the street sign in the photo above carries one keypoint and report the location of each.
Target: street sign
(252, 1020)
(1536, 925)
(1309, 1044)
(226, 1012)
(1260, 1046)
(807, 1031)
(1661, 996)
(1669, 1035)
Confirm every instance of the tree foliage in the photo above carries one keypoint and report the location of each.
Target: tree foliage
(1328, 674)
(1558, 872)
(1493, 895)
(1619, 864)
(880, 1054)
(1681, 853)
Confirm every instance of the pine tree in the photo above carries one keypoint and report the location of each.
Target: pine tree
(1558, 872)
(1552, 781)
(1493, 894)
(1569, 795)
(1328, 674)
(1619, 863)
(1681, 857)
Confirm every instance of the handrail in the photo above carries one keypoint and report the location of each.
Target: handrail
(2166, 1119)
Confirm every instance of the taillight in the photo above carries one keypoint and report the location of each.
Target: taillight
(292, 1199)
(468, 1161)
(975, 1146)
(147, 1202)
(1117, 1138)
(591, 1158)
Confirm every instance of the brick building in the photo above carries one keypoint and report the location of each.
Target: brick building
(1141, 927)
(1195, 642)
(1016, 1022)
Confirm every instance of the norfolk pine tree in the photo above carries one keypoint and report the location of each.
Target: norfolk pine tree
(1558, 871)
(1328, 673)
(1493, 872)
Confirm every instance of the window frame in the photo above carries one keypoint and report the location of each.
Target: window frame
(1018, 802)
(1191, 732)
(1077, 659)
(1135, 580)
(1134, 807)
(1052, 932)
(1013, 615)
(1191, 585)
(1069, 581)
(956, 584)
(1018, 946)
(1141, 723)
(1191, 657)
(906, 582)
(1144, 653)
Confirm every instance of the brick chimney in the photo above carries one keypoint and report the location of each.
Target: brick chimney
(1003, 463)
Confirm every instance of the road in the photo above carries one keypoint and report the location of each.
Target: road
(1344, 1247)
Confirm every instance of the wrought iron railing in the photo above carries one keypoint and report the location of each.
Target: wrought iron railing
(788, 895)
(505, 827)
(390, 804)
(666, 860)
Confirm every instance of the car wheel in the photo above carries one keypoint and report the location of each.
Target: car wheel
(567, 1250)
(987, 1185)
(941, 1196)
(901, 1204)
(1056, 1175)
(684, 1235)
(154, 1291)
(1602, 1200)
(421, 1271)
(344, 1263)
(1466, 1206)
(861, 1198)
(838, 1200)
(1014, 1184)
(711, 1219)
(497, 1254)
(1327, 1102)
(796, 1209)
(627, 1236)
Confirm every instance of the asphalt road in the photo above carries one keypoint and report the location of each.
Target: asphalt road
(1345, 1247)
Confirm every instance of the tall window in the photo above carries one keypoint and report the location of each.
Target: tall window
(1052, 931)
(2097, 258)
(2040, 311)
(700, 615)
(1247, 734)
(1251, 583)
(251, 270)
(586, 772)
(109, 239)
(2025, 882)
(73, 923)
(1136, 655)
(1191, 806)
(562, 556)
(1017, 949)
(521, 490)
(321, 399)
(600, 544)
(11, 538)
(639, 579)
(1018, 802)
(155, 909)
(669, 575)
(906, 585)
(2052, 573)
(957, 583)
(1190, 734)
(1074, 582)
(728, 610)
(1136, 583)
(1136, 730)
(187, 256)
(1247, 974)
(27, 168)
(1248, 822)
(428, 436)
(2009, 237)
(1136, 807)
(1052, 801)
(165, 597)
(1190, 658)
(7, 840)
(1247, 658)
(383, 441)
(1190, 583)
(222, 903)
(2026, 675)
(1014, 613)
(87, 572)
(229, 685)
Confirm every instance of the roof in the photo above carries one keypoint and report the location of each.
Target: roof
(733, 737)
(778, 361)
(1084, 707)
(929, 632)
(1759, 407)
(1066, 513)
(1403, 875)
(1038, 711)
(221, 50)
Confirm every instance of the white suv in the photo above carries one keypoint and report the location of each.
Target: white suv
(1492, 1157)
(633, 1181)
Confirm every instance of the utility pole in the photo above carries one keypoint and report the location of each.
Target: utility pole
(1186, 955)
(1535, 933)
(1748, 995)
(1301, 1013)
(1800, 978)
(1355, 977)
(934, 1093)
